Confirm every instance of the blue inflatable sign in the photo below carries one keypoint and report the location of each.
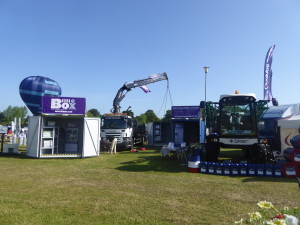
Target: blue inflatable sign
(33, 88)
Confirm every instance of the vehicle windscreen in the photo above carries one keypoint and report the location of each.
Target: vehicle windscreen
(114, 123)
(237, 119)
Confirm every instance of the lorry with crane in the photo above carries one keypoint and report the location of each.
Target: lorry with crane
(122, 126)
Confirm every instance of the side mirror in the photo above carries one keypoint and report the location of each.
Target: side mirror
(274, 102)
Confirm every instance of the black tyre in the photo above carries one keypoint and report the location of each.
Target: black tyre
(131, 144)
(212, 152)
(258, 154)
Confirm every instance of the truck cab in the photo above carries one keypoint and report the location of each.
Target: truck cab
(117, 125)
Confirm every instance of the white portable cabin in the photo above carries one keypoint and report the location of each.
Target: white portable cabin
(289, 128)
(62, 134)
(63, 137)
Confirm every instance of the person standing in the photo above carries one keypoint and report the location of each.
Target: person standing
(107, 145)
(113, 147)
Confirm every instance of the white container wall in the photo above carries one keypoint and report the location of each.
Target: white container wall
(63, 136)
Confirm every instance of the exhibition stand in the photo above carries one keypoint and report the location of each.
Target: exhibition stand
(62, 130)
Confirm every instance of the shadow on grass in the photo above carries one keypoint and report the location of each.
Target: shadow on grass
(12, 155)
(23, 155)
(145, 163)
(271, 179)
(149, 162)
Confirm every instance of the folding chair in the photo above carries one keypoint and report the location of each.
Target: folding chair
(181, 152)
(166, 149)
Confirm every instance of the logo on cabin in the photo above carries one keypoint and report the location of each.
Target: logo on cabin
(63, 103)
(238, 141)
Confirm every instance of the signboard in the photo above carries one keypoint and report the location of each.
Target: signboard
(185, 112)
(281, 111)
(3, 129)
(63, 105)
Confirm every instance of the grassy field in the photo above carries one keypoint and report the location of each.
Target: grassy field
(129, 188)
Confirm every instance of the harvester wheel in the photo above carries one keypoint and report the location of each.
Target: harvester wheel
(258, 154)
(212, 151)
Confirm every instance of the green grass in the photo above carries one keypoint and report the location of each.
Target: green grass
(129, 188)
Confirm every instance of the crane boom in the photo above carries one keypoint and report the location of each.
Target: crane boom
(137, 83)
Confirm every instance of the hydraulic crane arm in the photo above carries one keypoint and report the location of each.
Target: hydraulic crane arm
(137, 83)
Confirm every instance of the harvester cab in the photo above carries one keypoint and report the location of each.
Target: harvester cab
(233, 123)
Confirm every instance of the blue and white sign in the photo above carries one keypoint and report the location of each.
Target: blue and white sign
(189, 112)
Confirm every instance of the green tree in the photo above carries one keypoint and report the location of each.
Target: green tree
(2, 118)
(93, 113)
(12, 112)
(147, 117)
(151, 116)
(142, 119)
(168, 116)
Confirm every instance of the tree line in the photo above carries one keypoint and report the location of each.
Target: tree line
(148, 116)
(12, 112)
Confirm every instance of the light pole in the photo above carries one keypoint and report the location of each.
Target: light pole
(203, 122)
(205, 70)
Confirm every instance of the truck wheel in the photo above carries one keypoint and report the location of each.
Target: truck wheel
(246, 153)
(131, 143)
(143, 141)
(102, 146)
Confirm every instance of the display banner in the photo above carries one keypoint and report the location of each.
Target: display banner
(63, 105)
(268, 74)
(190, 112)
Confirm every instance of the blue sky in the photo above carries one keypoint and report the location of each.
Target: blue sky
(92, 47)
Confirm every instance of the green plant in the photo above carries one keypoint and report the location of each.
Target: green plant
(286, 216)
(194, 149)
(196, 145)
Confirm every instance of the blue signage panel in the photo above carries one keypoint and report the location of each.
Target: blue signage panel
(63, 105)
(190, 112)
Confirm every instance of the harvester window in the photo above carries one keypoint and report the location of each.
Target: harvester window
(236, 119)
(246, 122)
